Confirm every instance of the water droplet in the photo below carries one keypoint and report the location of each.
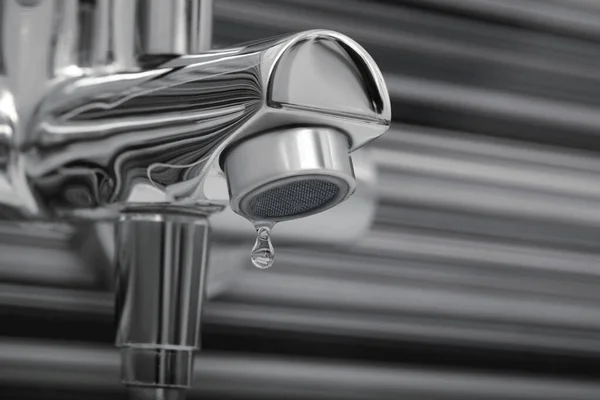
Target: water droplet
(263, 253)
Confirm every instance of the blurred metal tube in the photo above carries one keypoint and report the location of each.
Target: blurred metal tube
(393, 298)
(443, 193)
(201, 20)
(570, 18)
(441, 142)
(113, 39)
(174, 27)
(551, 180)
(370, 326)
(161, 264)
(494, 103)
(401, 325)
(243, 376)
(459, 182)
(53, 299)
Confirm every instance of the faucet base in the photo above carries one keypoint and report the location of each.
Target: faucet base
(147, 393)
(161, 267)
(157, 367)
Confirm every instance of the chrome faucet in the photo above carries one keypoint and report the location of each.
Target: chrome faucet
(115, 110)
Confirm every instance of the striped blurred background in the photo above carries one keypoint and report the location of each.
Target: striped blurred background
(479, 279)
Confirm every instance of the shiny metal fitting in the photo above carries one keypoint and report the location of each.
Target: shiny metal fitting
(110, 111)
(157, 366)
(295, 172)
(161, 268)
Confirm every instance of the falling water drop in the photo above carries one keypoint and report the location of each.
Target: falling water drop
(263, 253)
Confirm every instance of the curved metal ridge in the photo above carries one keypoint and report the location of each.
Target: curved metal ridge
(387, 30)
(101, 144)
(404, 327)
(472, 146)
(365, 65)
(537, 79)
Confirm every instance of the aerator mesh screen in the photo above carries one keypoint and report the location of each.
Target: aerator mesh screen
(293, 198)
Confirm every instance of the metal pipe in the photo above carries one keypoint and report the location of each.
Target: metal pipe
(161, 266)
(175, 27)
(95, 126)
(112, 38)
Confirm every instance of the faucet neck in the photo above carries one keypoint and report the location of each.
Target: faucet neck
(161, 268)
(106, 143)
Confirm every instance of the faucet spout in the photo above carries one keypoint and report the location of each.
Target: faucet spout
(113, 119)
(101, 145)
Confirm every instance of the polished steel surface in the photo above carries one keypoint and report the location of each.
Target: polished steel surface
(285, 157)
(145, 393)
(81, 142)
(175, 27)
(161, 267)
(330, 226)
(109, 110)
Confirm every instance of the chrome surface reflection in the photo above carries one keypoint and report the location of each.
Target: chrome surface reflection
(94, 143)
(109, 110)
(161, 267)
(308, 163)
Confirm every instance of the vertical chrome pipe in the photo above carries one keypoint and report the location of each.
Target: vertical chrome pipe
(161, 265)
(200, 16)
(175, 27)
(109, 25)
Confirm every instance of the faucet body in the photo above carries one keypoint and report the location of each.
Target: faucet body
(112, 110)
(92, 142)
